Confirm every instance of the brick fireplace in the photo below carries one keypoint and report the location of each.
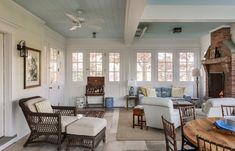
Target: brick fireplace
(219, 65)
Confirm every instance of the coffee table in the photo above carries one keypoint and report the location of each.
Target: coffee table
(177, 104)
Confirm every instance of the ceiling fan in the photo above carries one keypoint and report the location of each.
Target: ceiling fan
(79, 21)
(76, 19)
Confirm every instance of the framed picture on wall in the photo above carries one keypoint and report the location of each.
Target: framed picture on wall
(32, 68)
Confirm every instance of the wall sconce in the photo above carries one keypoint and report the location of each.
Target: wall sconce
(21, 46)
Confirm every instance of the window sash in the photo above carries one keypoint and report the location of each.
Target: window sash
(114, 66)
(96, 64)
(186, 64)
(77, 66)
(165, 66)
(143, 64)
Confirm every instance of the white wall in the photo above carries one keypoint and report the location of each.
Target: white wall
(18, 24)
(128, 66)
(114, 89)
(233, 32)
(205, 43)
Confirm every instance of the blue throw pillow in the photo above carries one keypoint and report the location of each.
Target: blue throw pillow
(166, 92)
(158, 92)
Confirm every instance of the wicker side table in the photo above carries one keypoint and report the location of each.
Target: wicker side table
(139, 113)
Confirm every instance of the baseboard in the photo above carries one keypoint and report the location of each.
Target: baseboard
(12, 141)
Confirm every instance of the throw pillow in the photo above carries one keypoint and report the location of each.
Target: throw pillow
(143, 90)
(44, 107)
(159, 92)
(178, 92)
(166, 92)
(151, 92)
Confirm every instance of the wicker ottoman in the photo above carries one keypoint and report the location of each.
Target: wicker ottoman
(86, 132)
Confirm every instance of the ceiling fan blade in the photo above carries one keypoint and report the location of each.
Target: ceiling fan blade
(81, 19)
(72, 17)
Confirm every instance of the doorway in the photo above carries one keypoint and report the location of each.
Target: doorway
(56, 78)
(2, 122)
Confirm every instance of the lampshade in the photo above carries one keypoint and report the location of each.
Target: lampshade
(131, 83)
(196, 72)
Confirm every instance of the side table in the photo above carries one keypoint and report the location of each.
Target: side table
(130, 97)
(139, 113)
(195, 101)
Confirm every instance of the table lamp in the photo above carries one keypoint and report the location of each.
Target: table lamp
(131, 84)
(196, 73)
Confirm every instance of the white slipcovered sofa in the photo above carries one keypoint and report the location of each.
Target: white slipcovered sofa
(155, 107)
(212, 107)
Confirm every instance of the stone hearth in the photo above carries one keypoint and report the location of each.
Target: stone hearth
(220, 58)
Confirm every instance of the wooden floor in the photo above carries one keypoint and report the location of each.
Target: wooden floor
(111, 144)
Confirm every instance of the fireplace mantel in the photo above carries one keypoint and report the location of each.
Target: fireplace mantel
(223, 61)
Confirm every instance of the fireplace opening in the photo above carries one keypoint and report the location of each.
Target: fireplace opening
(215, 84)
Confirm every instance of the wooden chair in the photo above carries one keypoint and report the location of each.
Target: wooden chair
(207, 145)
(170, 135)
(187, 113)
(228, 110)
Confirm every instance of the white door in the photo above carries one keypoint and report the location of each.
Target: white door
(56, 72)
(1, 88)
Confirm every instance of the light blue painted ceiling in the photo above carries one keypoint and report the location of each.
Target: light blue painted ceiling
(191, 2)
(107, 14)
(189, 29)
(110, 16)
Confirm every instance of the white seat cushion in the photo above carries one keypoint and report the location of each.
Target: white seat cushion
(31, 103)
(66, 120)
(44, 107)
(221, 101)
(88, 126)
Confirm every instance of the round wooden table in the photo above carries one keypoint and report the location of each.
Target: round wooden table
(205, 128)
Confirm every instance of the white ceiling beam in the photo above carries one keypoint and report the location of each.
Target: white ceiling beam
(134, 11)
(188, 13)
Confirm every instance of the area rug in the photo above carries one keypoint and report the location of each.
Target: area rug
(125, 132)
(92, 113)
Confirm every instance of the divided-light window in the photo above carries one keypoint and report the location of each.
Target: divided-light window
(143, 62)
(77, 66)
(186, 65)
(96, 64)
(165, 66)
(114, 66)
(53, 65)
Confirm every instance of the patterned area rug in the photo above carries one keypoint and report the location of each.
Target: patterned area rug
(92, 113)
(125, 132)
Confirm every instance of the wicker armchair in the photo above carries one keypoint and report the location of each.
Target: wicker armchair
(46, 127)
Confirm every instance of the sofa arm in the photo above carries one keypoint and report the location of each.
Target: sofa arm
(65, 110)
(200, 114)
